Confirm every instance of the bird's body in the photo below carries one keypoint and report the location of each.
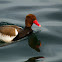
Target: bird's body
(9, 33)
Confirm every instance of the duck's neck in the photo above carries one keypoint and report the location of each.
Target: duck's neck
(27, 28)
(26, 31)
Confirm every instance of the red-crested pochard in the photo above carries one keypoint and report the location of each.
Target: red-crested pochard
(9, 33)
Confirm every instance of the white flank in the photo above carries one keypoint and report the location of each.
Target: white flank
(6, 38)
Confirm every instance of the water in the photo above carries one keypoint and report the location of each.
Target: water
(49, 15)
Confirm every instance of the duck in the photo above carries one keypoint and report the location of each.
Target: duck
(12, 33)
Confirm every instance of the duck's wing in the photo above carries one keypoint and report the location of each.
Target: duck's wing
(11, 30)
(13, 26)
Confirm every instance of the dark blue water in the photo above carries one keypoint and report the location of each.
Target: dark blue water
(49, 15)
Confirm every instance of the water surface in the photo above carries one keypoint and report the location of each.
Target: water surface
(49, 15)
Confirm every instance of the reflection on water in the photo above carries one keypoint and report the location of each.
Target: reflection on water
(34, 42)
(34, 59)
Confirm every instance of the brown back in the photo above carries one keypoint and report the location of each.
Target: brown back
(9, 29)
